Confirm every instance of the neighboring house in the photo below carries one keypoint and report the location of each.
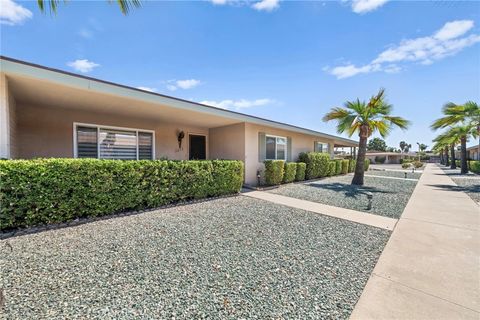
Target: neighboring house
(473, 153)
(390, 157)
(46, 112)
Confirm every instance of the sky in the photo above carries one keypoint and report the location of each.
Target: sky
(290, 61)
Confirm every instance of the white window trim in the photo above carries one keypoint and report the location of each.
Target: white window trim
(322, 143)
(286, 146)
(99, 126)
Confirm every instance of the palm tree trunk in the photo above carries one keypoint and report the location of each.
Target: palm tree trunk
(453, 165)
(362, 150)
(447, 162)
(442, 160)
(463, 157)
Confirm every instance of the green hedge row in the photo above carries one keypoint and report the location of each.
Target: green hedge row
(290, 171)
(317, 164)
(345, 164)
(274, 171)
(474, 166)
(300, 174)
(44, 191)
(367, 164)
(351, 165)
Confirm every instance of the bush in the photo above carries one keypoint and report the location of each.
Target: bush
(379, 159)
(457, 163)
(44, 191)
(317, 164)
(345, 164)
(338, 167)
(290, 170)
(367, 164)
(418, 164)
(406, 165)
(331, 168)
(300, 174)
(274, 170)
(474, 166)
(406, 160)
(351, 165)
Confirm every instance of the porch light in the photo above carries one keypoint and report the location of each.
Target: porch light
(180, 137)
(369, 197)
(258, 177)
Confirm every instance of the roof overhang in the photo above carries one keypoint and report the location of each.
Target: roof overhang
(28, 72)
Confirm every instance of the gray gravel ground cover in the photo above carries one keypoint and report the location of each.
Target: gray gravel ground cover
(469, 185)
(396, 174)
(226, 258)
(390, 196)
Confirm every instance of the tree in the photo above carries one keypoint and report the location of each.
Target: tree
(377, 144)
(466, 118)
(405, 147)
(124, 5)
(365, 119)
(422, 147)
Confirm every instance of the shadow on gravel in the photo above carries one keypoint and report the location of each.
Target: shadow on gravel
(347, 189)
(467, 189)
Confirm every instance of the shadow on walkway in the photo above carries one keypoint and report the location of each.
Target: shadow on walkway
(448, 187)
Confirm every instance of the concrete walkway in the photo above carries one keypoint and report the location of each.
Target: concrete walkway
(341, 213)
(430, 267)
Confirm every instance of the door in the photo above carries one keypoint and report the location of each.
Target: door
(197, 148)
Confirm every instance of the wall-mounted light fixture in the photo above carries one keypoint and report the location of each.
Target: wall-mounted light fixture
(180, 137)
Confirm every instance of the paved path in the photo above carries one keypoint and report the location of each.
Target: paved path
(430, 267)
(341, 213)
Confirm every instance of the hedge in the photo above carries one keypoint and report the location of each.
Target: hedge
(367, 164)
(300, 174)
(474, 166)
(274, 170)
(351, 165)
(345, 166)
(317, 164)
(290, 170)
(338, 167)
(44, 191)
(331, 168)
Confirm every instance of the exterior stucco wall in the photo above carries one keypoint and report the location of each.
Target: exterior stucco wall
(48, 131)
(300, 143)
(7, 120)
(228, 142)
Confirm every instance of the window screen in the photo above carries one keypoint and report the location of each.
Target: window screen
(87, 142)
(145, 150)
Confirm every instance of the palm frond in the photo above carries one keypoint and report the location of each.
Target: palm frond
(398, 121)
(127, 5)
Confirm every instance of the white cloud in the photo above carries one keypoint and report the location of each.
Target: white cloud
(147, 89)
(445, 42)
(12, 13)
(85, 33)
(454, 29)
(219, 2)
(83, 65)
(266, 5)
(364, 6)
(186, 84)
(238, 104)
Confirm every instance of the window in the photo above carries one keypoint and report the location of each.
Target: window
(321, 147)
(276, 148)
(113, 143)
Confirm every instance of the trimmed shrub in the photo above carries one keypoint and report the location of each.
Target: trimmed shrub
(351, 165)
(379, 159)
(331, 168)
(300, 174)
(457, 163)
(406, 165)
(274, 170)
(338, 167)
(317, 164)
(345, 164)
(418, 164)
(474, 166)
(367, 164)
(44, 191)
(290, 170)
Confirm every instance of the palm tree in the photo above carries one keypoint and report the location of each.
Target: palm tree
(125, 5)
(467, 119)
(365, 119)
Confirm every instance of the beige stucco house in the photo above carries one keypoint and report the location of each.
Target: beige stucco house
(46, 112)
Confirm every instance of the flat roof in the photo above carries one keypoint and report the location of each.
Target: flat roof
(12, 65)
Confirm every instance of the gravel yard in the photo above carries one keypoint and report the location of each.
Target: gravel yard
(469, 185)
(390, 196)
(227, 258)
(396, 174)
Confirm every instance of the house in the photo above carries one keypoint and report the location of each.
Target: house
(46, 112)
(473, 152)
(390, 157)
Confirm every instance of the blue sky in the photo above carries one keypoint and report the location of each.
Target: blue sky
(289, 61)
